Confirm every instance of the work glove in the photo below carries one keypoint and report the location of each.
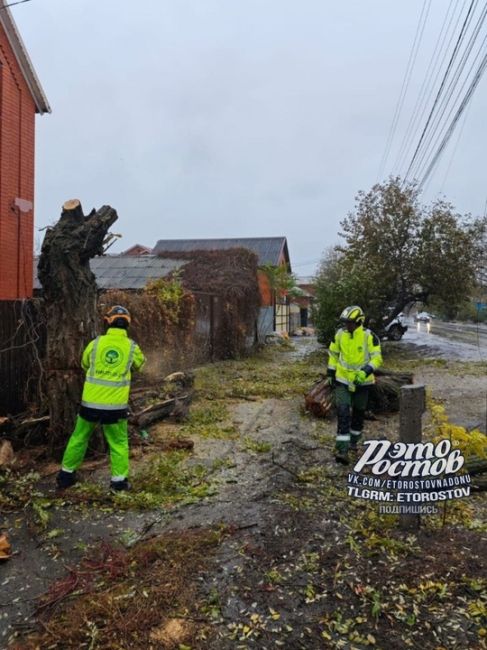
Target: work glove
(360, 377)
(331, 378)
(368, 370)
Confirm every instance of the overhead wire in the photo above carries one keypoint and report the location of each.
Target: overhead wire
(445, 90)
(428, 85)
(441, 129)
(473, 85)
(454, 152)
(425, 180)
(465, 24)
(12, 4)
(405, 83)
(448, 102)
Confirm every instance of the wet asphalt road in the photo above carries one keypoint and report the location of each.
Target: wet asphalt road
(459, 341)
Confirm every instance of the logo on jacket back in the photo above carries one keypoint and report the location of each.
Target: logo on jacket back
(112, 356)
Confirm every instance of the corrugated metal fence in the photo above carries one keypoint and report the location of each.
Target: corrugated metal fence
(22, 345)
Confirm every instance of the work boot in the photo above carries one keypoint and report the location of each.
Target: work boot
(120, 486)
(342, 457)
(355, 439)
(355, 448)
(65, 479)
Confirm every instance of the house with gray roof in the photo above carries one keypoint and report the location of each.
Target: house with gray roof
(269, 250)
(131, 272)
(128, 273)
(275, 312)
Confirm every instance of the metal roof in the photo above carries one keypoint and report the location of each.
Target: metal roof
(127, 271)
(23, 59)
(267, 249)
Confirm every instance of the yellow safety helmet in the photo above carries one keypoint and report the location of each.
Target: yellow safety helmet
(353, 314)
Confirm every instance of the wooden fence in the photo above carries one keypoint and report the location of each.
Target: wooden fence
(22, 345)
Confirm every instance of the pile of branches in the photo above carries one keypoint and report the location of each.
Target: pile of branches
(169, 398)
(107, 562)
(383, 395)
(149, 403)
(24, 429)
(231, 275)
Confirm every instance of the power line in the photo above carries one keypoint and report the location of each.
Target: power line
(447, 101)
(442, 85)
(19, 2)
(455, 103)
(439, 105)
(428, 83)
(405, 83)
(451, 128)
(454, 150)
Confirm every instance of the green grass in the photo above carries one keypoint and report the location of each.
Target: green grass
(258, 446)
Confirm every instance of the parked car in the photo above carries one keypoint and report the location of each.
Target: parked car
(396, 329)
(422, 317)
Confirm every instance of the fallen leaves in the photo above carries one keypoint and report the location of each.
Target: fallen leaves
(172, 633)
(5, 548)
(7, 456)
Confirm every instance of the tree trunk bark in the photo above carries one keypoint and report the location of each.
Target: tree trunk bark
(70, 296)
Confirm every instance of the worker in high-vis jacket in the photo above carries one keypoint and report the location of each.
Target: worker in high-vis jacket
(108, 361)
(354, 354)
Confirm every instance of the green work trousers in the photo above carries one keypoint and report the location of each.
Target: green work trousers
(350, 415)
(118, 442)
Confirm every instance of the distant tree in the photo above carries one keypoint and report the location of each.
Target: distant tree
(396, 252)
(280, 280)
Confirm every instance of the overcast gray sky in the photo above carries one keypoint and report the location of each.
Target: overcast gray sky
(227, 118)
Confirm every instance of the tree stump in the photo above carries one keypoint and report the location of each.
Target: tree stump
(70, 297)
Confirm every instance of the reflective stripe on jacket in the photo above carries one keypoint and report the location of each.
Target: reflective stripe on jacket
(107, 361)
(349, 352)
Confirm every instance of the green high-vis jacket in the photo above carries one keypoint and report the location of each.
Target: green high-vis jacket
(349, 352)
(108, 360)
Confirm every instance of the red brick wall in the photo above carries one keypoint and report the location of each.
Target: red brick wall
(17, 113)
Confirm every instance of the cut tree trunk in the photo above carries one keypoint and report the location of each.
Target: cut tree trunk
(70, 294)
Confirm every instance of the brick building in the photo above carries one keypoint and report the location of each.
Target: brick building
(21, 97)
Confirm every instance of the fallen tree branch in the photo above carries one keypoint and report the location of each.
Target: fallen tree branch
(476, 465)
(159, 411)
